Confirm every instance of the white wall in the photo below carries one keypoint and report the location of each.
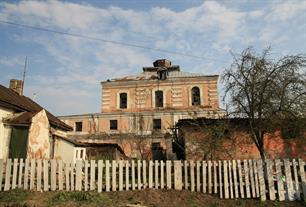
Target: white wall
(64, 150)
(5, 134)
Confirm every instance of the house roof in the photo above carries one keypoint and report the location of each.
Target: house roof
(11, 100)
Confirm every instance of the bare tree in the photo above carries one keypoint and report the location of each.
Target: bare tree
(267, 92)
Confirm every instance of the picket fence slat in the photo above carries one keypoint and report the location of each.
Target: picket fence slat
(230, 178)
(20, 173)
(302, 176)
(191, 165)
(1, 173)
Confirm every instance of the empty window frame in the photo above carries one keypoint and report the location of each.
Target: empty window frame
(156, 124)
(123, 100)
(159, 99)
(195, 96)
(113, 124)
(78, 126)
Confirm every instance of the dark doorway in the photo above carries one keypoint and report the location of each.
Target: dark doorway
(123, 100)
(18, 142)
(196, 98)
(159, 99)
(158, 153)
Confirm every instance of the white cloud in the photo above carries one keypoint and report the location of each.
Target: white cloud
(11, 61)
(282, 11)
(210, 30)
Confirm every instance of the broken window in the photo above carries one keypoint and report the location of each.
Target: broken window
(156, 124)
(195, 96)
(78, 126)
(123, 100)
(159, 99)
(113, 124)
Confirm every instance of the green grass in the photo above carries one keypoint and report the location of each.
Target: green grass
(14, 196)
(79, 197)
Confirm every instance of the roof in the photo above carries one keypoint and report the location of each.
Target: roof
(11, 100)
(151, 75)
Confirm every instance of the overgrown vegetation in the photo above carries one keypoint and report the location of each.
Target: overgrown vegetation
(268, 92)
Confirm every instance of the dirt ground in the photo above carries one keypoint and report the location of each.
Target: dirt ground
(147, 198)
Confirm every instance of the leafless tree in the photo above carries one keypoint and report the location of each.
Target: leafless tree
(268, 92)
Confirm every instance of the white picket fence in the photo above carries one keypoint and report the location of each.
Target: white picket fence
(285, 178)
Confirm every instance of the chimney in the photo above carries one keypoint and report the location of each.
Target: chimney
(17, 86)
(162, 63)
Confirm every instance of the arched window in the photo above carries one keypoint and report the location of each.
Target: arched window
(123, 100)
(195, 96)
(159, 99)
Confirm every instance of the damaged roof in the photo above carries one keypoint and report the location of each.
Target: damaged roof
(11, 100)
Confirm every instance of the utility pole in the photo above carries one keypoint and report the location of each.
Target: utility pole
(24, 73)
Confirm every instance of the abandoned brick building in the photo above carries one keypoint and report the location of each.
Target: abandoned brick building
(139, 112)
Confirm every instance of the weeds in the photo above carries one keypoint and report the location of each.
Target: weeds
(14, 196)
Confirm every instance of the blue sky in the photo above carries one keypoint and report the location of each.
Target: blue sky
(65, 72)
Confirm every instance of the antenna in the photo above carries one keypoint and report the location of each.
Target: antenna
(24, 73)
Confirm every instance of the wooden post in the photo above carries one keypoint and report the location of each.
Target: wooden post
(144, 173)
(178, 175)
(280, 182)
(86, 165)
(262, 186)
(220, 179)
(156, 164)
(191, 166)
(14, 181)
(289, 180)
(78, 175)
(138, 174)
(225, 179)
(296, 180)
(168, 169)
(53, 175)
(1, 173)
(7, 184)
(240, 179)
(186, 174)
(92, 174)
(209, 177)
(230, 179)
(162, 176)
(215, 178)
(198, 165)
(60, 175)
(26, 174)
(100, 175)
(67, 172)
(72, 168)
(120, 175)
(270, 180)
(252, 179)
(235, 179)
(114, 175)
(247, 181)
(127, 177)
(107, 176)
(204, 165)
(21, 165)
(39, 170)
(133, 175)
(45, 173)
(32, 175)
(150, 174)
(256, 178)
(303, 179)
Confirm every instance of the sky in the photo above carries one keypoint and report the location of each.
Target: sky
(64, 72)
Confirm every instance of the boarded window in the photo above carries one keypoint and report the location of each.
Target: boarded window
(195, 96)
(123, 100)
(156, 124)
(113, 124)
(159, 99)
(78, 126)
(18, 142)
